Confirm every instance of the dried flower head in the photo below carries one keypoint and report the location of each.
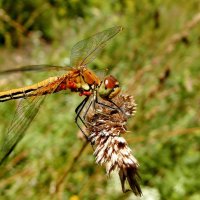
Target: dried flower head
(105, 124)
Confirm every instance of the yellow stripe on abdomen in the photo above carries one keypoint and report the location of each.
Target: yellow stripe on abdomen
(26, 91)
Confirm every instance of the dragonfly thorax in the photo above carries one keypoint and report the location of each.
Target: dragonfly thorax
(89, 77)
(109, 88)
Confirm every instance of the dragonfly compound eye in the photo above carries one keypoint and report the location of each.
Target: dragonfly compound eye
(109, 88)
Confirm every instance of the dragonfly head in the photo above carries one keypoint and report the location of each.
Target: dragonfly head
(109, 87)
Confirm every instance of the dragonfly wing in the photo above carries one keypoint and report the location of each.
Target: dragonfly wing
(86, 50)
(25, 113)
(30, 68)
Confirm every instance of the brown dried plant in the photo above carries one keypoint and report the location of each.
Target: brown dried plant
(106, 123)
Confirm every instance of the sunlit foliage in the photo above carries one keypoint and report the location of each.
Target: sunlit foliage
(155, 58)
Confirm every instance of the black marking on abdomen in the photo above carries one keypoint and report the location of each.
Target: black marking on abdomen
(23, 92)
(17, 94)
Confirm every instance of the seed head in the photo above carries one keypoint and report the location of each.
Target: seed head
(106, 123)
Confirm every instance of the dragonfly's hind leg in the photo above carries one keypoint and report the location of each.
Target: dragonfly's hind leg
(78, 111)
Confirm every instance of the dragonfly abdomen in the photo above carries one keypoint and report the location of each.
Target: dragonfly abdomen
(32, 90)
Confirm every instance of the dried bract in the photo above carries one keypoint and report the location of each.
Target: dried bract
(105, 124)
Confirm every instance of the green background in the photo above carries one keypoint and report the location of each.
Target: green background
(156, 59)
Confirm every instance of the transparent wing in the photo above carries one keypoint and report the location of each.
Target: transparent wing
(35, 68)
(25, 113)
(86, 50)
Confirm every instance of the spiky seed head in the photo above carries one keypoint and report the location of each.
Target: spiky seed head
(105, 128)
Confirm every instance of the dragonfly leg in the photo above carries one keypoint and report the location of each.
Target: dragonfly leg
(78, 111)
(93, 101)
(84, 116)
(111, 107)
(86, 112)
(118, 108)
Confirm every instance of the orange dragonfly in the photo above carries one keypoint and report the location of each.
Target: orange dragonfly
(77, 79)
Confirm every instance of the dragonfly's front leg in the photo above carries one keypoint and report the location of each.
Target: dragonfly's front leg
(93, 103)
(114, 107)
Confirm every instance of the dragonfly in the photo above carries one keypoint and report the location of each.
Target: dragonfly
(77, 78)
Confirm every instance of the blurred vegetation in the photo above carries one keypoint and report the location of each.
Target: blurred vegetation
(156, 59)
